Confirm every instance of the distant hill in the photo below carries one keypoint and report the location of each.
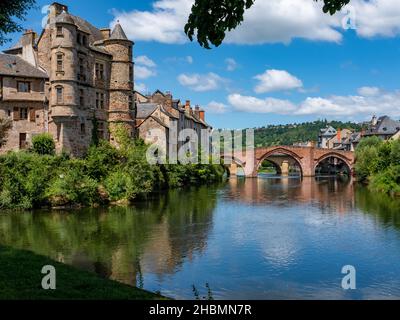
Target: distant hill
(289, 134)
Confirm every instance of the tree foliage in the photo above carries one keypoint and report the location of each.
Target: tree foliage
(211, 19)
(378, 163)
(11, 13)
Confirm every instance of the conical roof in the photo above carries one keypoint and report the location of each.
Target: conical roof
(118, 33)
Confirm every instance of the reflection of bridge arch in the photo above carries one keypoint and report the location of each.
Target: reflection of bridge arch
(332, 154)
(279, 151)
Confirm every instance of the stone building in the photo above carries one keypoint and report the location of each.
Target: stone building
(160, 111)
(63, 80)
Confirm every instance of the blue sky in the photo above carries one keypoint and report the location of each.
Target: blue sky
(287, 63)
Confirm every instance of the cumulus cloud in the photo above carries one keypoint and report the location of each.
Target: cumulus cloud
(143, 72)
(256, 105)
(141, 87)
(145, 61)
(335, 106)
(144, 67)
(272, 21)
(231, 64)
(201, 82)
(276, 80)
(216, 107)
(368, 91)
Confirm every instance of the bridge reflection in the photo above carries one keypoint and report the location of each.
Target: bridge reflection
(283, 191)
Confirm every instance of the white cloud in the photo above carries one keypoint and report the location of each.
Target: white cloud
(144, 72)
(276, 80)
(377, 18)
(216, 107)
(189, 59)
(335, 106)
(256, 105)
(145, 61)
(368, 91)
(231, 64)
(144, 67)
(141, 87)
(272, 21)
(201, 82)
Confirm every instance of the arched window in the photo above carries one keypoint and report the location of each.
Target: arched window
(60, 94)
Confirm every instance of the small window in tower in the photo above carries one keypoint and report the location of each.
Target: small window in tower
(101, 100)
(59, 92)
(60, 64)
(60, 31)
(101, 71)
(83, 128)
(84, 40)
(78, 38)
(131, 73)
(97, 100)
(81, 97)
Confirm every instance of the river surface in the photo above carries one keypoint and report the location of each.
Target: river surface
(266, 238)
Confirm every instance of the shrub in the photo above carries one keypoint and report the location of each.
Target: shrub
(43, 144)
(72, 186)
(119, 186)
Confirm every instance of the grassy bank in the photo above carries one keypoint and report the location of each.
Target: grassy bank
(39, 178)
(21, 278)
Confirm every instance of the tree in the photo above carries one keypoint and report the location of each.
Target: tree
(211, 19)
(10, 12)
(43, 144)
(5, 126)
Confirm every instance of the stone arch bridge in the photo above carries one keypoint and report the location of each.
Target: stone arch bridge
(306, 158)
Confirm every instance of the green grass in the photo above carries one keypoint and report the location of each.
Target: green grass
(21, 278)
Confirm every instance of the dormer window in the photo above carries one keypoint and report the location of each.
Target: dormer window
(60, 31)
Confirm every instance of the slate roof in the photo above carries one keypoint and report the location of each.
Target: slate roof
(11, 65)
(384, 126)
(328, 131)
(118, 33)
(145, 110)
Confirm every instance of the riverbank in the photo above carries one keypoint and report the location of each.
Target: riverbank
(378, 165)
(21, 278)
(105, 175)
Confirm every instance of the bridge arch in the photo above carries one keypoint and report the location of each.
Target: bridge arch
(280, 151)
(336, 155)
(232, 167)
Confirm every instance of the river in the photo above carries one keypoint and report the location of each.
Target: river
(265, 238)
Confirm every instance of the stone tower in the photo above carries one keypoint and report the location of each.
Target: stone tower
(121, 107)
(63, 76)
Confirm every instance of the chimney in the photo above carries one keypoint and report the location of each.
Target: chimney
(197, 111)
(56, 8)
(339, 135)
(202, 114)
(187, 106)
(106, 33)
(28, 42)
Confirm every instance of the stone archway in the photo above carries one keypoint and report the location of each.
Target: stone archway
(349, 163)
(280, 151)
